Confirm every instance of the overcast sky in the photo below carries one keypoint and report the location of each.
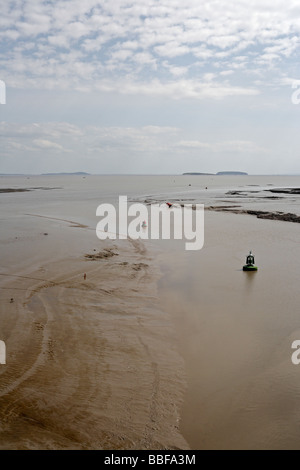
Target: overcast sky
(150, 86)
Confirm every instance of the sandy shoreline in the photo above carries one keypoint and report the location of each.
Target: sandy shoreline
(91, 364)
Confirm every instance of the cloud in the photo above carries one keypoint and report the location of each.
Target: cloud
(47, 144)
(62, 137)
(181, 88)
(226, 72)
(61, 146)
(50, 137)
(64, 43)
(241, 146)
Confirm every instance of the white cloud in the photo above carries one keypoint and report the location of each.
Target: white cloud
(177, 71)
(59, 40)
(61, 146)
(56, 137)
(172, 49)
(113, 38)
(226, 72)
(193, 144)
(61, 137)
(241, 146)
(50, 135)
(47, 144)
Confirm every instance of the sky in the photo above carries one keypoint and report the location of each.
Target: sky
(150, 86)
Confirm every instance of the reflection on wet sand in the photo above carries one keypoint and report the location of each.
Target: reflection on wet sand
(250, 279)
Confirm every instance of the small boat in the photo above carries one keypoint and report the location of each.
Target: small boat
(250, 266)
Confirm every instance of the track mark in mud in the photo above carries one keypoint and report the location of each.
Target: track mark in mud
(138, 246)
(73, 224)
(27, 277)
(40, 357)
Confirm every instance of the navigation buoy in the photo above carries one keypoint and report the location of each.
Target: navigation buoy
(250, 266)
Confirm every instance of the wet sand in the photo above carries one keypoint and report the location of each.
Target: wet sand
(91, 364)
(235, 330)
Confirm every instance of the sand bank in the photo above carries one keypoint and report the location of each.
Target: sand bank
(91, 364)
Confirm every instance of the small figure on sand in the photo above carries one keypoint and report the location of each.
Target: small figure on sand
(11, 300)
(84, 276)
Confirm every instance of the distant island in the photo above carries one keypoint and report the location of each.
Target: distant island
(219, 173)
(80, 173)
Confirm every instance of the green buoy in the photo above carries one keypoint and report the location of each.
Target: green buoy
(250, 266)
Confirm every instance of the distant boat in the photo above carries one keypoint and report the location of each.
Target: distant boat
(250, 266)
